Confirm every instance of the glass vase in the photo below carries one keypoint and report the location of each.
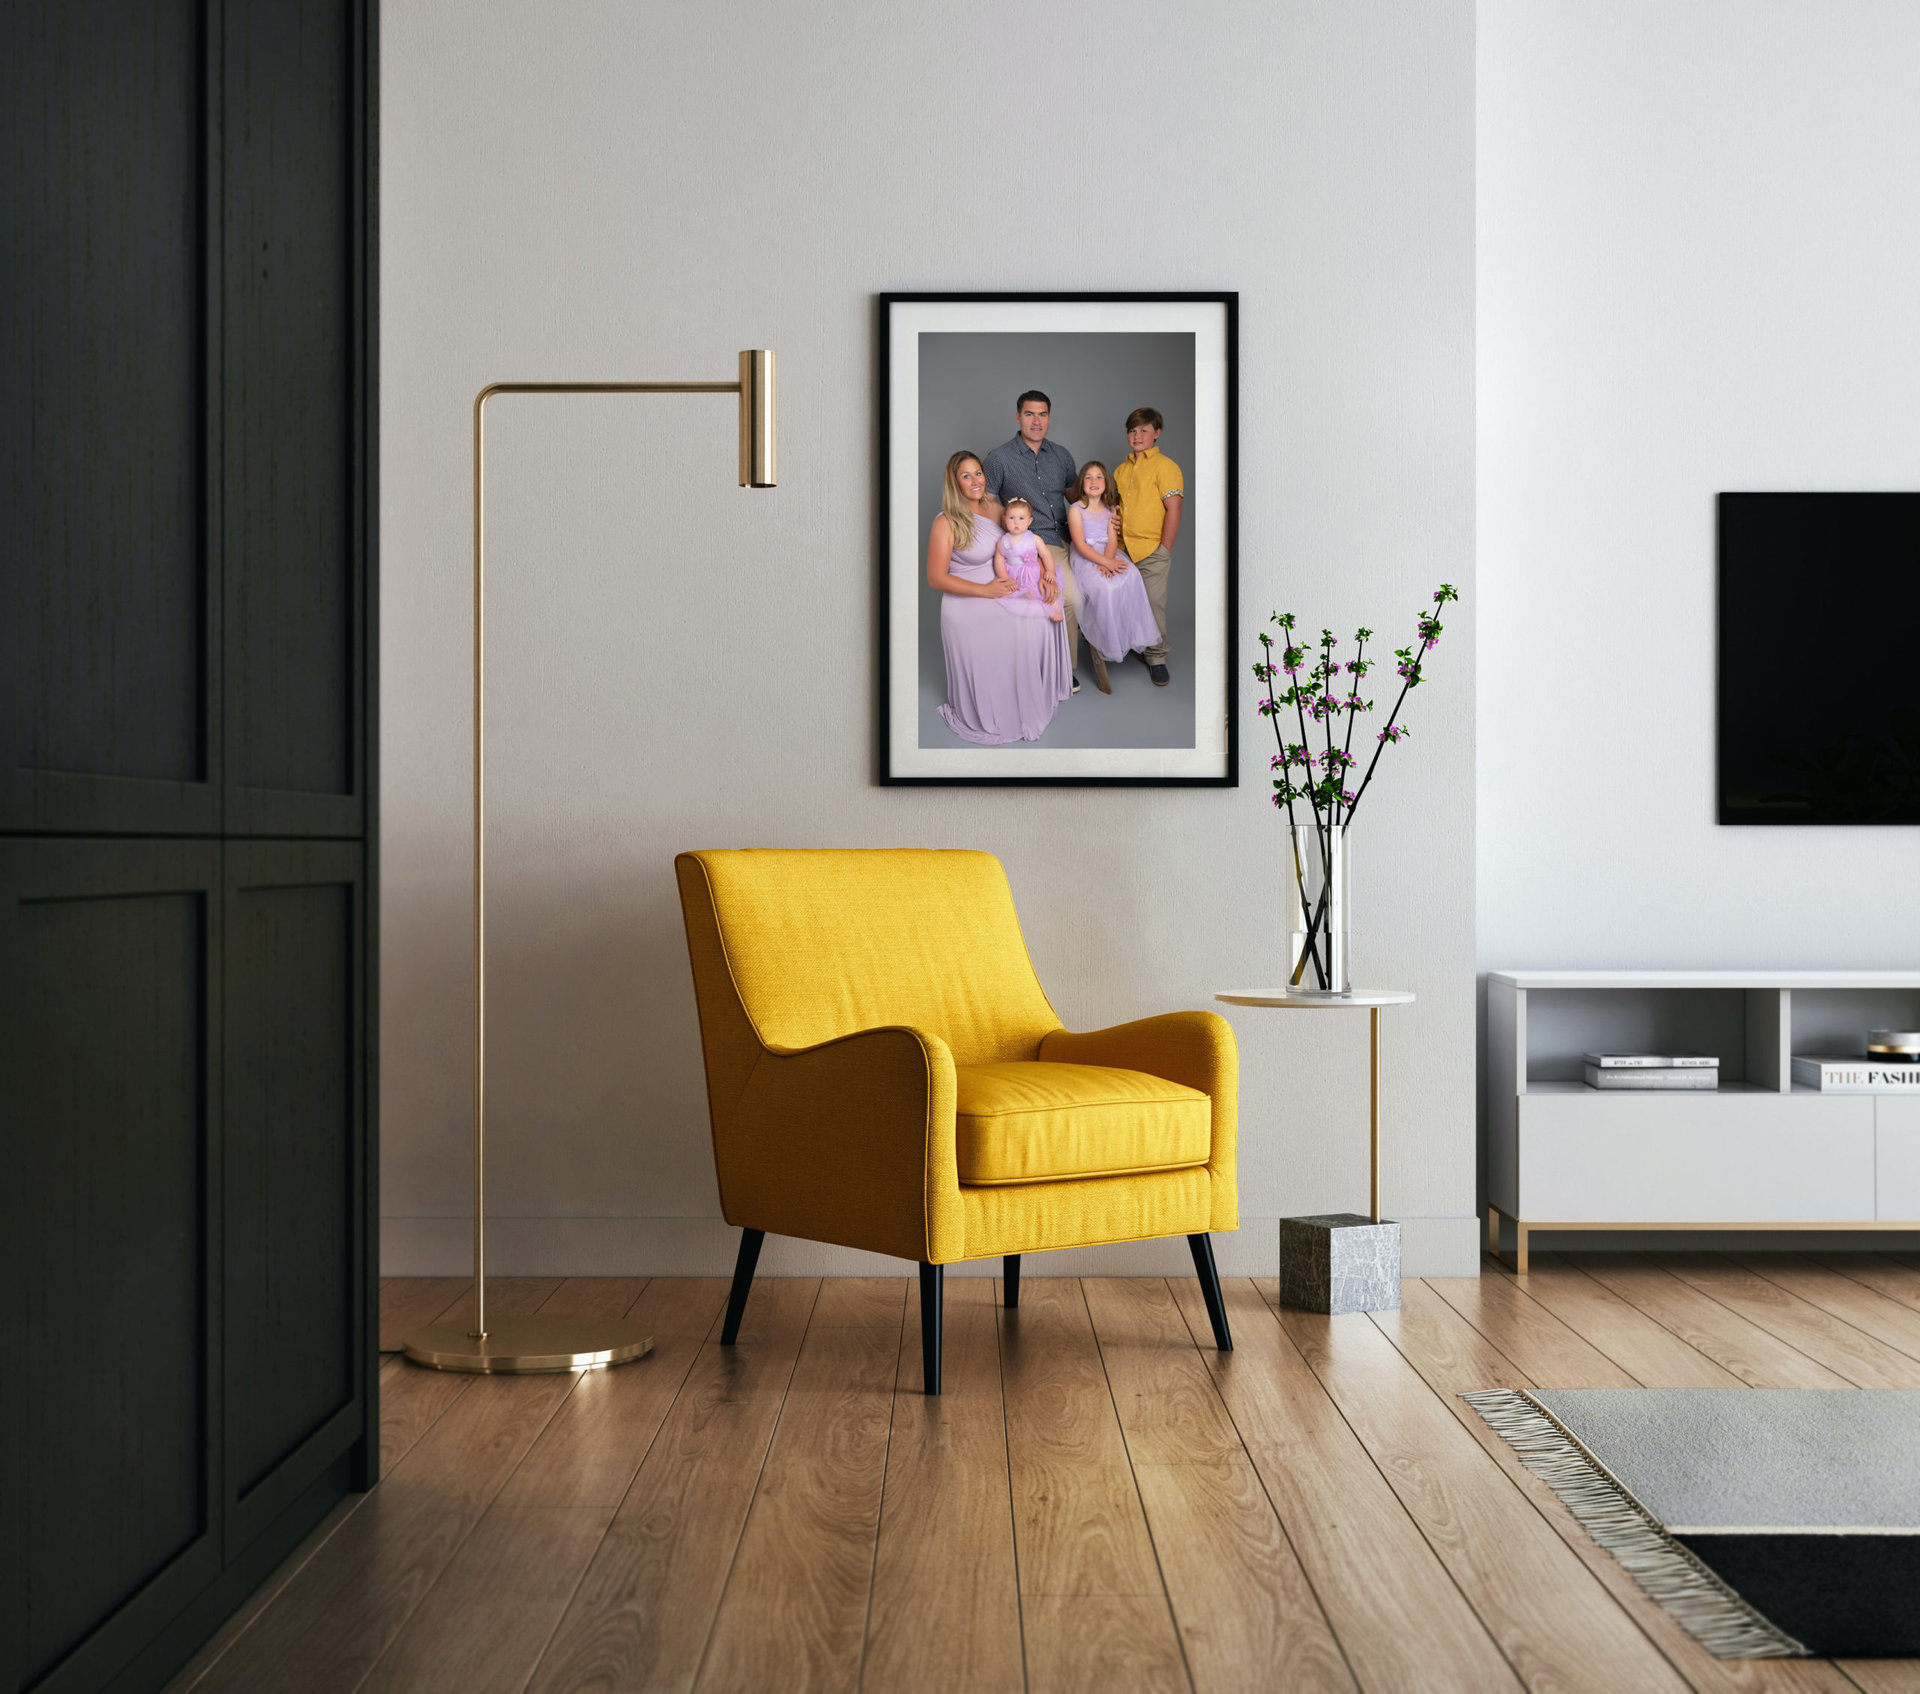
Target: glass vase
(1317, 910)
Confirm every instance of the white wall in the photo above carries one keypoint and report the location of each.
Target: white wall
(1699, 244)
(642, 189)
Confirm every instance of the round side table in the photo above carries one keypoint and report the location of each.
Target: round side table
(1340, 1262)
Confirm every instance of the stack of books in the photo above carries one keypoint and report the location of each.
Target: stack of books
(1856, 1076)
(1653, 1071)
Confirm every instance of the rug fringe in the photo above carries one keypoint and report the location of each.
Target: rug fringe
(1704, 1606)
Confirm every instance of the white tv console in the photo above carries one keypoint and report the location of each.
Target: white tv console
(1758, 1154)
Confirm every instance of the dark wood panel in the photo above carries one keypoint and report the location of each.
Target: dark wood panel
(292, 301)
(296, 1347)
(110, 958)
(186, 249)
(106, 608)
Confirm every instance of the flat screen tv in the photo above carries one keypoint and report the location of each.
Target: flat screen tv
(1819, 658)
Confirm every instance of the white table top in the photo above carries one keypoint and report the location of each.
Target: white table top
(1360, 997)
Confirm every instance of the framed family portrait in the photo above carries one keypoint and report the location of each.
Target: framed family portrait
(1057, 521)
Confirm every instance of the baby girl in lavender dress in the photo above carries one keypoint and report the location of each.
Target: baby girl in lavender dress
(1018, 557)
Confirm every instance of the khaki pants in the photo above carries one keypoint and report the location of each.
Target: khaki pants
(1154, 569)
(1070, 599)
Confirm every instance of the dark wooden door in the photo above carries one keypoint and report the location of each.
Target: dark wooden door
(111, 1024)
(294, 1076)
(109, 350)
(186, 888)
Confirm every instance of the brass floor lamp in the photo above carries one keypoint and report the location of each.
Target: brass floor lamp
(539, 1343)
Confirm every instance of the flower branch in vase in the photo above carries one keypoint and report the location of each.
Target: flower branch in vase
(1314, 781)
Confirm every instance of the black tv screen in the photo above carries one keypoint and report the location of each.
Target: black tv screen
(1819, 685)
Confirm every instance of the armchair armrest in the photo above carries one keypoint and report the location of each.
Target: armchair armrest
(1195, 1049)
(849, 1142)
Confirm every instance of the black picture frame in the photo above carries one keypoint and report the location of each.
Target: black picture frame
(904, 757)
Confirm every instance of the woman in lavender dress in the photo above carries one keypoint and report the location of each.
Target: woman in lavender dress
(1115, 614)
(1007, 668)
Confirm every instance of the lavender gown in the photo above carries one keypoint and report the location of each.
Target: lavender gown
(1007, 669)
(1115, 616)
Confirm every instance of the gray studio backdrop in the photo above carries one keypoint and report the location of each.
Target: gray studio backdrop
(968, 384)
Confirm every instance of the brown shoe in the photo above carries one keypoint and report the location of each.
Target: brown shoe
(1159, 675)
(1100, 675)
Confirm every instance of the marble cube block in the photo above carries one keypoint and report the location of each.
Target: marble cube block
(1341, 1262)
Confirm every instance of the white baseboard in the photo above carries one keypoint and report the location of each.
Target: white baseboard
(706, 1247)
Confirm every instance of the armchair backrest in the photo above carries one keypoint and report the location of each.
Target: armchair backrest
(810, 944)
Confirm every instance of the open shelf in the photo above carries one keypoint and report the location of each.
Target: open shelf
(1558, 1085)
(1757, 1148)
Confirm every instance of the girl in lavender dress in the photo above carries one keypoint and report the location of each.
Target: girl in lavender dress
(1018, 557)
(1006, 676)
(1115, 614)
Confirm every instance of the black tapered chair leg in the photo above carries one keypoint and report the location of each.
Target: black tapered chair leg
(1203, 1268)
(1010, 1280)
(750, 1240)
(932, 1285)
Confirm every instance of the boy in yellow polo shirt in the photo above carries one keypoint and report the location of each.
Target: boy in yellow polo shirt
(1152, 496)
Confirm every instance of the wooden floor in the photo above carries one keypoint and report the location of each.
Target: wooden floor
(1099, 1501)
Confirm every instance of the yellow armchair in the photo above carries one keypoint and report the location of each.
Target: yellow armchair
(885, 1072)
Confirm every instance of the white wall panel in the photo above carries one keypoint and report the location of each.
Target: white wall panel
(641, 189)
(1699, 231)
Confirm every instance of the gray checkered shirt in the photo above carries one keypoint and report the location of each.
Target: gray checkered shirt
(1043, 477)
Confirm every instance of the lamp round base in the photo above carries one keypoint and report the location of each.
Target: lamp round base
(515, 1345)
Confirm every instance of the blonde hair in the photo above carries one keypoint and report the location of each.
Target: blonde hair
(954, 504)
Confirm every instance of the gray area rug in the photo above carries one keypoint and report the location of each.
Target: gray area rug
(1770, 1523)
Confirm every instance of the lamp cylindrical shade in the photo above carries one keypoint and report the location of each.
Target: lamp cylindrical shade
(758, 455)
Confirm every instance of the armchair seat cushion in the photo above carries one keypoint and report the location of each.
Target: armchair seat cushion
(1035, 1122)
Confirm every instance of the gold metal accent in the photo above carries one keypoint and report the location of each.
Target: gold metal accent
(1373, 1111)
(1854, 1226)
(757, 465)
(758, 455)
(530, 1344)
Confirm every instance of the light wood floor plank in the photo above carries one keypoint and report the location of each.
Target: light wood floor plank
(412, 1401)
(1883, 1676)
(1101, 1644)
(1843, 1349)
(1397, 1615)
(1077, 1518)
(641, 1614)
(589, 1454)
(794, 1614)
(1754, 1355)
(408, 1303)
(1887, 1321)
(1529, 1333)
(946, 1603)
(507, 1296)
(1099, 1501)
(1453, 1366)
(1648, 1351)
(1247, 1617)
(1877, 1271)
(595, 1296)
(863, 1302)
(1163, 1392)
(1172, 1417)
(484, 1624)
(324, 1632)
(1556, 1624)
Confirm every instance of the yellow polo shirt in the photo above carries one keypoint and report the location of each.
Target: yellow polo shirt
(1144, 480)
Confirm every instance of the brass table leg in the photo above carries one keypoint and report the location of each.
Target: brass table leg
(1373, 1111)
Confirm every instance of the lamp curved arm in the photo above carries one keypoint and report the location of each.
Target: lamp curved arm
(758, 466)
